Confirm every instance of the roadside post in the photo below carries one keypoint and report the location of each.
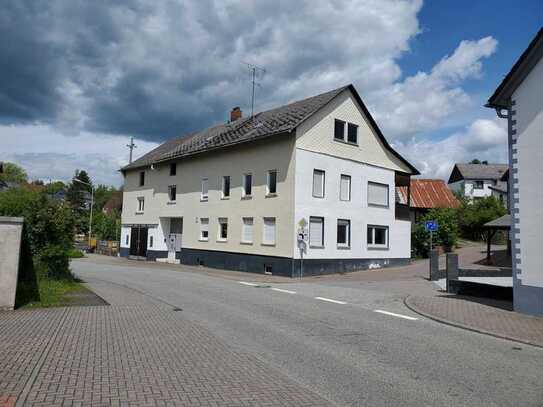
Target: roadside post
(432, 226)
(302, 242)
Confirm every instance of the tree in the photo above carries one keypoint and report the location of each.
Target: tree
(472, 215)
(106, 227)
(475, 161)
(446, 235)
(13, 173)
(75, 194)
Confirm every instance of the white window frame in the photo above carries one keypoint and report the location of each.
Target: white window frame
(313, 219)
(265, 241)
(349, 124)
(204, 196)
(370, 230)
(341, 177)
(223, 184)
(141, 204)
(346, 245)
(244, 193)
(323, 183)
(268, 179)
(222, 221)
(245, 223)
(170, 187)
(387, 195)
(204, 221)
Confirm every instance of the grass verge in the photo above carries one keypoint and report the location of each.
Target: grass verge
(52, 293)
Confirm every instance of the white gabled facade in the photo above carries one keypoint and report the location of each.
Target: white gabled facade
(262, 229)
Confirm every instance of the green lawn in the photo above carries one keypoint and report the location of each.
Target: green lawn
(52, 293)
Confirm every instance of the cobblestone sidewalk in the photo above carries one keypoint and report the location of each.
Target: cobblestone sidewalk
(479, 317)
(136, 352)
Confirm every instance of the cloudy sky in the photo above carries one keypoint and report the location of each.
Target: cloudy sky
(78, 78)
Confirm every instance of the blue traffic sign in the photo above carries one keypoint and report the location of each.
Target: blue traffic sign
(431, 225)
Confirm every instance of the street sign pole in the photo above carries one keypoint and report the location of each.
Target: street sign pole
(431, 235)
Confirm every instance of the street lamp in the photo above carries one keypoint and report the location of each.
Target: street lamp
(92, 204)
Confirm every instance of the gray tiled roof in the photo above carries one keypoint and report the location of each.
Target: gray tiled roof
(271, 122)
(482, 171)
(499, 223)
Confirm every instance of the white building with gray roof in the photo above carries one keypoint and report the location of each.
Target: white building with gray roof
(314, 178)
(478, 180)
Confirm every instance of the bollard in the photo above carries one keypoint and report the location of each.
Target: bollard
(434, 265)
(451, 271)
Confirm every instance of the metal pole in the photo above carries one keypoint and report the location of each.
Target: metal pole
(301, 262)
(431, 234)
(90, 217)
(253, 96)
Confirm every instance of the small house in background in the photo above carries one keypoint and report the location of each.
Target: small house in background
(114, 204)
(475, 180)
(427, 194)
(500, 190)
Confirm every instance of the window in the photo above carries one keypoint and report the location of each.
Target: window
(226, 186)
(141, 204)
(204, 229)
(352, 133)
(378, 236)
(345, 188)
(142, 178)
(172, 192)
(377, 194)
(150, 241)
(318, 183)
(272, 182)
(339, 130)
(247, 185)
(268, 234)
(478, 185)
(316, 231)
(343, 233)
(223, 229)
(173, 169)
(247, 230)
(205, 189)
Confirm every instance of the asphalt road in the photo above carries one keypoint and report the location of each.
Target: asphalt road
(349, 349)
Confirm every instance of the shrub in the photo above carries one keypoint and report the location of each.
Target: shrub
(54, 262)
(447, 234)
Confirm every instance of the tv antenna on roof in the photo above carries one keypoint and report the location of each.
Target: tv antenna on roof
(131, 146)
(255, 71)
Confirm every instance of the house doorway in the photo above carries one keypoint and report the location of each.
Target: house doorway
(138, 242)
(175, 238)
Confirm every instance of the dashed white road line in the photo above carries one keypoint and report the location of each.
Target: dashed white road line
(250, 284)
(380, 311)
(281, 290)
(330, 300)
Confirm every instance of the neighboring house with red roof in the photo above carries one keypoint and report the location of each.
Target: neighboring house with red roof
(427, 194)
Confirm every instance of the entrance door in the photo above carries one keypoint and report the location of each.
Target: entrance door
(138, 241)
(176, 234)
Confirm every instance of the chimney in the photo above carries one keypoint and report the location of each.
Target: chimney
(235, 114)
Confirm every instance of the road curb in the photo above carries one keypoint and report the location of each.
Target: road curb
(417, 310)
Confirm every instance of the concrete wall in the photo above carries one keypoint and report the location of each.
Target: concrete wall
(527, 191)
(257, 158)
(356, 210)
(10, 247)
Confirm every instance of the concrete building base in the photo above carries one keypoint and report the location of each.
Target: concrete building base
(11, 230)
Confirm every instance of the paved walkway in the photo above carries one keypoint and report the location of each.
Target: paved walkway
(136, 352)
(486, 316)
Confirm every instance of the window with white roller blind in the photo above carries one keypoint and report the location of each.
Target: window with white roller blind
(345, 188)
(204, 229)
(318, 183)
(268, 232)
(247, 230)
(377, 194)
(316, 231)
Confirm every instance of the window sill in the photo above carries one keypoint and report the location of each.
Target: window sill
(246, 197)
(225, 198)
(139, 212)
(344, 200)
(343, 247)
(274, 195)
(268, 244)
(378, 206)
(222, 240)
(378, 247)
(171, 203)
(247, 243)
(316, 247)
(349, 143)
(204, 199)
(318, 197)
(203, 240)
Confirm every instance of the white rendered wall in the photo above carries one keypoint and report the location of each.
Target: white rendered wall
(529, 153)
(356, 210)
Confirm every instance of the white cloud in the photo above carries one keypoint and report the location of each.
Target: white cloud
(483, 139)
(46, 153)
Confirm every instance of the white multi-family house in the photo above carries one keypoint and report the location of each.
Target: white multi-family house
(519, 99)
(478, 180)
(313, 179)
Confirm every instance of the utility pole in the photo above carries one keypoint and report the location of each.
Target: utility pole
(255, 70)
(131, 146)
